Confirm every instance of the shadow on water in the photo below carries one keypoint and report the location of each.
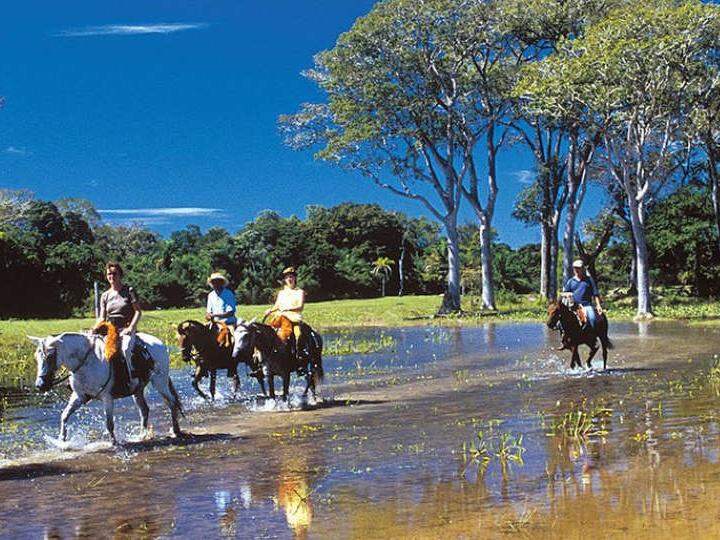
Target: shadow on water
(187, 439)
(36, 470)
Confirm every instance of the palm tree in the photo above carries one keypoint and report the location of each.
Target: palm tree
(382, 267)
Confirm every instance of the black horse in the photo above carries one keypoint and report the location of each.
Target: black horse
(278, 359)
(574, 334)
(199, 344)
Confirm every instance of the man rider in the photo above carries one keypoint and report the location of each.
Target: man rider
(221, 302)
(583, 290)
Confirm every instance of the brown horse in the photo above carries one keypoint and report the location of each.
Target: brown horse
(574, 334)
(277, 355)
(200, 345)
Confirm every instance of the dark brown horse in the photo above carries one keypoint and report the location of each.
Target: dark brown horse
(574, 334)
(199, 344)
(277, 356)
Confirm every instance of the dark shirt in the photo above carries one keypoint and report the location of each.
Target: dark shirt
(117, 306)
(583, 290)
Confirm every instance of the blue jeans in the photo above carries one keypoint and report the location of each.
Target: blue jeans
(591, 315)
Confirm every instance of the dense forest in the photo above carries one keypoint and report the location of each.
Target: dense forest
(51, 252)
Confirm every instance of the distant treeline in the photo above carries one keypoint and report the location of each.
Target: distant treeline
(51, 252)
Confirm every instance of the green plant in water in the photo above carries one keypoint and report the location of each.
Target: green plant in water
(487, 446)
(582, 422)
(510, 449)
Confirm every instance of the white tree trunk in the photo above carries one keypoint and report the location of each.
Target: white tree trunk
(451, 300)
(553, 285)
(569, 230)
(488, 290)
(545, 260)
(644, 306)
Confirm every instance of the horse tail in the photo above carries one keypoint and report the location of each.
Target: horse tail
(605, 339)
(318, 371)
(176, 397)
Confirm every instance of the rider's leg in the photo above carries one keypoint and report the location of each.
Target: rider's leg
(128, 346)
(591, 316)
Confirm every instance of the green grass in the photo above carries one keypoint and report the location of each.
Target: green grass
(17, 365)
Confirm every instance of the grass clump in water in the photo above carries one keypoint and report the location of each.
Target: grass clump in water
(489, 446)
(582, 422)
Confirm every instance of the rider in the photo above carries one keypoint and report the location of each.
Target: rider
(583, 290)
(221, 302)
(289, 303)
(119, 305)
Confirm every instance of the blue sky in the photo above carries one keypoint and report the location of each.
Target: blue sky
(166, 111)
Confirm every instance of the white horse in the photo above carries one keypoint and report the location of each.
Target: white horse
(91, 376)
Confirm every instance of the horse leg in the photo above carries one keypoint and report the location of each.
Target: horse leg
(109, 420)
(286, 385)
(575, 361)
(213, 381)
(141, 404)
(165, 388)
(196, 382)
(271, 385)
(261, 382)
(603, 344)
(73, 404)
(236, 384)
(593, 350)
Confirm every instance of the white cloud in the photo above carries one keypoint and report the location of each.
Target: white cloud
(141, 213)
(524, 176)
(17, 151)
(130, 29)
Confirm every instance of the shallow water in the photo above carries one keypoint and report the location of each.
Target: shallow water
(387, 450)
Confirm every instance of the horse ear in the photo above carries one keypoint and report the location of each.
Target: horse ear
(36, 340)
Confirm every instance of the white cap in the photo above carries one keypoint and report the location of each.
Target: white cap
(578, 264)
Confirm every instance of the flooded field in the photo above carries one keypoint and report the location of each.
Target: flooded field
(463, 433)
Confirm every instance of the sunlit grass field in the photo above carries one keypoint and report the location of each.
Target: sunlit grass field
(17, 364)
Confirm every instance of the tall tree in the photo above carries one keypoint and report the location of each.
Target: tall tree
(402, 109)
(561, 153)
(631, 71)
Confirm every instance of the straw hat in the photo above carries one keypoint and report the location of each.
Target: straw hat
(217, 276)
(289, 270)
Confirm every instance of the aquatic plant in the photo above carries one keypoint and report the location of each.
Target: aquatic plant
(487, 446)
(345, 343)
(583, 421)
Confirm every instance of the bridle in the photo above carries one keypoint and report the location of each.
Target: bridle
(49, 358)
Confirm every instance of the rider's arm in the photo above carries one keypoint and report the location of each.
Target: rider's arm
(102, 313)
(274, 307)
(132, 327)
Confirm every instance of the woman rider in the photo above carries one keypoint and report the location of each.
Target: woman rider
(290, 302)
(119, 306)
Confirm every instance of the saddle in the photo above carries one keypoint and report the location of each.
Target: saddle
(581, 314)
(224, 336)
(141, 359)
(283, 327)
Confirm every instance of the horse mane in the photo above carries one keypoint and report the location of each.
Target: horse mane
(189, 323)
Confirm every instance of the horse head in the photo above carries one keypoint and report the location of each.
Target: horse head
(189, 335)
(46, 354)
(244, 341)
(555, 311)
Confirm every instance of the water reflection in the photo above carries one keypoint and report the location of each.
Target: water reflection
(294, 498)
(391, 468)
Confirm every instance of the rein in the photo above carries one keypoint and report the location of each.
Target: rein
(66, 377)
